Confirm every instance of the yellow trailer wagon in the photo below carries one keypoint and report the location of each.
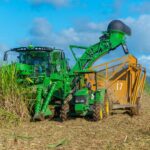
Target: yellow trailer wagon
(124, 80)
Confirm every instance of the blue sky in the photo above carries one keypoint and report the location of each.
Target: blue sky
(62, 22)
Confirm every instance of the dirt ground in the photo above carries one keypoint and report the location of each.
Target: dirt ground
(119, 131)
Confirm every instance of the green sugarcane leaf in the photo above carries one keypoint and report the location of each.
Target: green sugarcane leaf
(61, 142)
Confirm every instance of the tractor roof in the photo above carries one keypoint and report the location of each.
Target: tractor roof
(37, 48)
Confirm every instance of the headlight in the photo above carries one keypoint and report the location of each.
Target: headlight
(80, 99)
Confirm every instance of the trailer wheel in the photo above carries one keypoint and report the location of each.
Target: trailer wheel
(136, 110)
(64, 112)
(97, 112)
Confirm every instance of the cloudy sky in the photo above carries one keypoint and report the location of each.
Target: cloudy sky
(59, 23)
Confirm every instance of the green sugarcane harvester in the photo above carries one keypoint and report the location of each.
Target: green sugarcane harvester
(58, 85)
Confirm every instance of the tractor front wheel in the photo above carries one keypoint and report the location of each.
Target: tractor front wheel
(64, 112)
(53, 112)
(97, 112)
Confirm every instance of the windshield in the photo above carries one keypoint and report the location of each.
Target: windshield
(33, 58)
(40, 60)
(30, 58)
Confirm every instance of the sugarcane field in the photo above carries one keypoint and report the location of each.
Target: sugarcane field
(74, 75)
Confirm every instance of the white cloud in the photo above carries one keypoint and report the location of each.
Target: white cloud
(3, 48)
(41, 33)
(41, 27)
(143, 7)
(139, 41)
(57, 3)
(144, 58)
(85, 26)
(145, 61)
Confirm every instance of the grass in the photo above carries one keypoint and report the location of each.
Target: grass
(13, 99)
(147, 87)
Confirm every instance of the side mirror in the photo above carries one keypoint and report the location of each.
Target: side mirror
(5, 56)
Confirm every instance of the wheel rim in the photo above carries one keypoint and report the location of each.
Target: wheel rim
(101, 114)
(107, 107)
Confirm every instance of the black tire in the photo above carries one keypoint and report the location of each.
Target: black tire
(39, 117)
(53, 112)
(97, 112)
(136, 110)
(64, 112)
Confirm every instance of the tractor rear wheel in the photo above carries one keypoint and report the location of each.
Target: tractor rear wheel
(97, 112)
(64, 112)
(136, 110)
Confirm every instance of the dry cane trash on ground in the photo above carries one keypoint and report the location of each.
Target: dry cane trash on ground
(118, 131)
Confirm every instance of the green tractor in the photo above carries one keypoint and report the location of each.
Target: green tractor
(89, 102)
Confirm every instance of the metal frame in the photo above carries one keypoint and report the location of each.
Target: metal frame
(126, 67)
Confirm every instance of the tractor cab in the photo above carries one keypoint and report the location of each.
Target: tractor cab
(36, 62)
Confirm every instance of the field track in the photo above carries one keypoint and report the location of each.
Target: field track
(119, 131)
